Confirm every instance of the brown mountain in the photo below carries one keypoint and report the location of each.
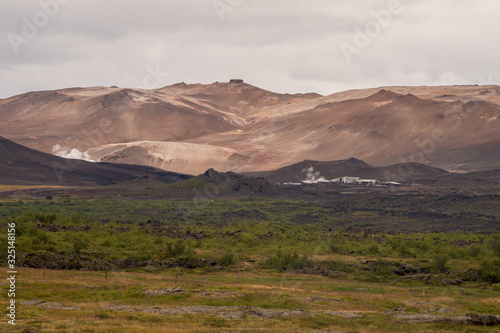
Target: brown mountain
(236, 126)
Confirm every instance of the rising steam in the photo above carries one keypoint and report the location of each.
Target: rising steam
(73, 153)
(313, 177)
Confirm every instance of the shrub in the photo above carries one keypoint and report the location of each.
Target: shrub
(439, 263)
(383, 268)
(227, 259)
(176, 248)
(490, 270)
(373, 249)
(45, 218)
(80, 242)
(475, 250)
(189, 261)
(106, 242)
(287, 261)
(495, 244)
(338, 265)
(405, 251)
(335, 245)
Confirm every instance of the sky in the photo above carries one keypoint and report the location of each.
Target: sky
(286, 46)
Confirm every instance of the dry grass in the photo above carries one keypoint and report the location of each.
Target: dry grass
(4, 188)
(93, 294)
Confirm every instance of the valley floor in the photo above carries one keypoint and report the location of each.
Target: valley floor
(240, 300)
(140, 261)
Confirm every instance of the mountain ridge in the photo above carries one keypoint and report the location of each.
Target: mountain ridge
(243, 128)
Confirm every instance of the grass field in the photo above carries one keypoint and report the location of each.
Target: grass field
(78, 301)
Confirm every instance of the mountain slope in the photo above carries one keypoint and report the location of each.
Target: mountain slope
(384, 128)
(235, 126)
(188, 157)
(21, 166)
(88, 117)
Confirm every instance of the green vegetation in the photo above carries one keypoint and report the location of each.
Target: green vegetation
(120, 234)
(288, 261)
(258, 253)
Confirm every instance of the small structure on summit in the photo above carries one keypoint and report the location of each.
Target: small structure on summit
(236, 81)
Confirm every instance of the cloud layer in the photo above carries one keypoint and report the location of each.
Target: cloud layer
(284, 46)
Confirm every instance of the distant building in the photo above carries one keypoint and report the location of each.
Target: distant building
(236, 81)
(348, 180)
(367, 182)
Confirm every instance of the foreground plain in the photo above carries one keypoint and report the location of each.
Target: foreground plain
(249, 264)
(88, 302)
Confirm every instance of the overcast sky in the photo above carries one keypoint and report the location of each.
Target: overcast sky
(286, 46)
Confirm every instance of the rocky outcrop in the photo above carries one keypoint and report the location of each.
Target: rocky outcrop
(427, 318)
(469, 319)
(486, 320)
(233, 182)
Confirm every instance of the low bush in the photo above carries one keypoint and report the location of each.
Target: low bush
(439, 263)
(288, 261)
(338, 265)
(490, 270)
(227, 259)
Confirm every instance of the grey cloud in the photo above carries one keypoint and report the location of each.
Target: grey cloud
(285, 46)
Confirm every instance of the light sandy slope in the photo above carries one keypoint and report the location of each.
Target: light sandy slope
(189, 157)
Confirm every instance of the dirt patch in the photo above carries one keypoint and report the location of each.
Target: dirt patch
(49, 305)
(166, 291)
(346, 315)
(324, 299)
(226, 312)
(220, 294)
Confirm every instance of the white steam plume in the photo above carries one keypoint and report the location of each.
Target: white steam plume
(73, 153)
(313, 177)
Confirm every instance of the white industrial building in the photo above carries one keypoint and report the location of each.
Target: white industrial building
(348, 180)
(367, 182)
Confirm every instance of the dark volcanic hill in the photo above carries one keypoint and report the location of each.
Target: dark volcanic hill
(24, 166)
(482, 179)
(403, 172)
